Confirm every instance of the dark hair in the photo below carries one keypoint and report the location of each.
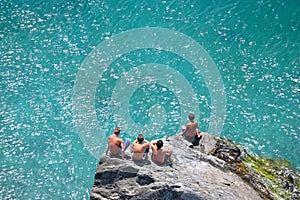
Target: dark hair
(159, 144)
(191, 116)
(140, 138)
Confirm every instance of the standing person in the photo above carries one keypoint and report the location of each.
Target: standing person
(160, 153)
(191, 128)
(140, 148)
(116, 146)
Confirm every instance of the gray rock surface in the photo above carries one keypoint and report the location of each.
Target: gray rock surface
(195, 173)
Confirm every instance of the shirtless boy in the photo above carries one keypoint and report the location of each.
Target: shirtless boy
(140, 148)
(191, 128)
(116, 146)
(159, 154)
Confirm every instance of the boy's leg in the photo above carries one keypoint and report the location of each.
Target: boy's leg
(170, 155)
(145, 156)
(126, 143)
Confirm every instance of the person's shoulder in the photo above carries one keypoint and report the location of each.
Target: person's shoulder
(153, 146)
(193, 123)
(189, 126)
(135, 144)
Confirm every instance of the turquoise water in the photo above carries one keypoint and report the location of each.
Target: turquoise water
(46, 46)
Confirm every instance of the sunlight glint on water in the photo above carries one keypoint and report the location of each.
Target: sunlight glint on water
(255, 46)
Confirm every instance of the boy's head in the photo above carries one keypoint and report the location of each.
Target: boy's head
(191, 116)
(117, 130)
(140, 138)
(159, 144)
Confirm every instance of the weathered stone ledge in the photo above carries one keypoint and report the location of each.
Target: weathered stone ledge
(216, 169)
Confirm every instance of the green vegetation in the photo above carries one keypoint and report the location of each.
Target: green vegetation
(274, 172)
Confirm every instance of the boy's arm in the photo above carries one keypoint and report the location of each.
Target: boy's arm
(123, 149)
(199, 133)
(168, 152)
(107, 148)
(183, 132)
(153, 144)
(153, 147)
(147, 144)
(106, 152)
(169, 149)
(187, 127)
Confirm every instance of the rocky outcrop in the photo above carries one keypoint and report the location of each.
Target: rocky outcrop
(216, 169)
(272, 178)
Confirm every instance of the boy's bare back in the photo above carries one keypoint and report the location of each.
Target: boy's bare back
(114, 144)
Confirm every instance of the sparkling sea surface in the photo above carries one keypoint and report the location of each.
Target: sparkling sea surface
(72, 70)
